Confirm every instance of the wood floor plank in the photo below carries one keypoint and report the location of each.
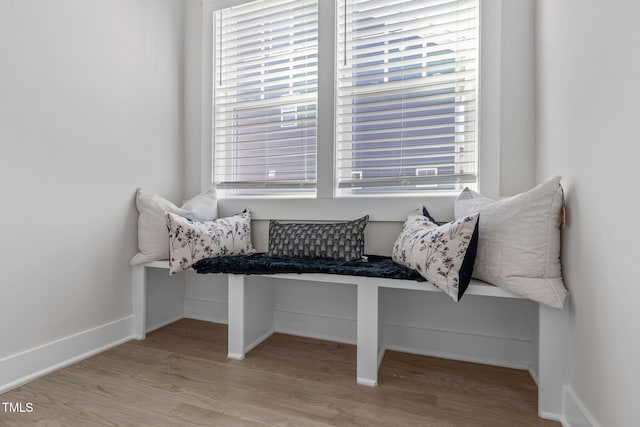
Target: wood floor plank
(180, 376)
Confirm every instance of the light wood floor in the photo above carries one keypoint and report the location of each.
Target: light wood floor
(180, 376)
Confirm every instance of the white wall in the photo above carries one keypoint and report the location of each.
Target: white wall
(587, 110)
(193, 99)
(517, 95)
(91, 106)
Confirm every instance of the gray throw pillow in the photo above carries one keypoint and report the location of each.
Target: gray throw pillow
(341, 241)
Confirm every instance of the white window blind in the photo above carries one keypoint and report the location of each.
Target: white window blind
(265, 97)
(406, 95)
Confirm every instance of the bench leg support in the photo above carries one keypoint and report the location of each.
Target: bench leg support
(139, 299)
(369, 342)
(251, 318)
(553, 360)
(236, 333)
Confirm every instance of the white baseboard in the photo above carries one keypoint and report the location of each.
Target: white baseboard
(449, 344)
(235, 356)
(367, 382)
(259, 340)
(208, 310)
(380, 356)
(464, 346)
(286, 322)
(552, 417)
(534, 376)
(162, 323)
(319, 326)
(575, 413)
(28, 365)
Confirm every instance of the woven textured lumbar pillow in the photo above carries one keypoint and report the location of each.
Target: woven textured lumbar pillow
(153, 238)
(519, 241)
(190, 241)
(442, 254)
(342, 240)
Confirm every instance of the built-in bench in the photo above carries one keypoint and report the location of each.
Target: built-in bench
(251, 321)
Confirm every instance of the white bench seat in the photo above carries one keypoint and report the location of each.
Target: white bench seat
(251, 321)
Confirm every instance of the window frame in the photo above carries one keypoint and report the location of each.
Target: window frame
(326, 205)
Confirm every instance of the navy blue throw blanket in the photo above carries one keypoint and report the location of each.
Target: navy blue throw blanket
(373, 266)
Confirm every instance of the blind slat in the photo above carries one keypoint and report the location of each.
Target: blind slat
(449, 136)
(257, 10)
(376, 4)
(406, 157)
(284, 164)
(267, 104)
(411, 127)
(440, 111)
(416, 30)
(248, 151)
(260, 129)
(280, 145)
(453, 81)
(398, 67)
(297, 78)
(256, 40)
(279, 184)
(428, 103)
(375, 149)
(409, 180)
(395, 168)
(275, 53)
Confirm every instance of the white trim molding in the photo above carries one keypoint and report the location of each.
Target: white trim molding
(575, 413)
(34, 363)
(206, 310)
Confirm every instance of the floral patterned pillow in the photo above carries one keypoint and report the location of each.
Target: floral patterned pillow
(191, 241)
(444, 255)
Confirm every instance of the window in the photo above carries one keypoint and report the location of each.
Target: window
(405, 97)
(265, 97)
